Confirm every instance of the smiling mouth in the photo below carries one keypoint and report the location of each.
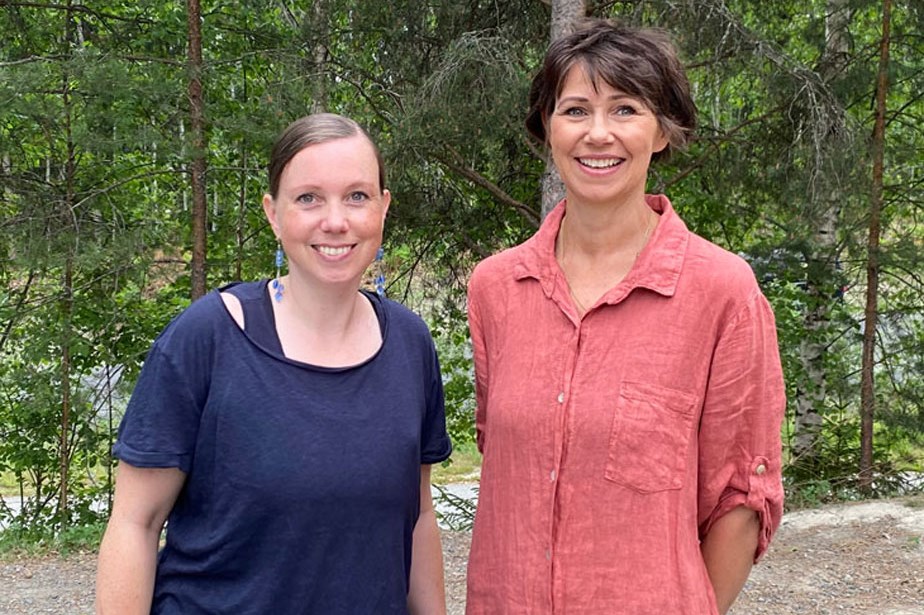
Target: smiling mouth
(334, 251)
(600, 163)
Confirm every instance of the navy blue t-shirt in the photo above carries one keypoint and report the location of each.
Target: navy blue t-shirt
(303, 482)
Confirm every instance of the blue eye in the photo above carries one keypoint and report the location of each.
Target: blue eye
(306, 198)
(573, 111)
(625, 110)
(358, 196)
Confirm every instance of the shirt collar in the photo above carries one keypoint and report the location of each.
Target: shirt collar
(657, 268)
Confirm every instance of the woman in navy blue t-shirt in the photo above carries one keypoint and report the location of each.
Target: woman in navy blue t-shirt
(284, 429)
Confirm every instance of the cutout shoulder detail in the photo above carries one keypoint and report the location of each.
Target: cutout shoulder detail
(233, 305)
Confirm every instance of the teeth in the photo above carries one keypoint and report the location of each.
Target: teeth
(599, 163)
(331, 251)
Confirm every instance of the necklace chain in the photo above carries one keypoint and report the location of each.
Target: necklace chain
(561, 259)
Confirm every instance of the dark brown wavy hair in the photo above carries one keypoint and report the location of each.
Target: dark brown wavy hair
(641, 62)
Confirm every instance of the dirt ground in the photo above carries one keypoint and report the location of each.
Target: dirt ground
(856, 559)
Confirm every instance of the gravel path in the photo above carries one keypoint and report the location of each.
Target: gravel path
(860, 559)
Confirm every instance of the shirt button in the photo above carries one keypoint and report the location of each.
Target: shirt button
(561, 397)
(548, 554)
(760, 469)
(552, 476)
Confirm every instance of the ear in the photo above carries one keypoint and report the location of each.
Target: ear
(269, 208)
(386, 202)
(661, 141)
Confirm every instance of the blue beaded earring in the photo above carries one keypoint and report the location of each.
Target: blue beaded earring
(379, 272)
(277, 283)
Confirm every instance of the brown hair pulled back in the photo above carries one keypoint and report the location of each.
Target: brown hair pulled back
(312, 130)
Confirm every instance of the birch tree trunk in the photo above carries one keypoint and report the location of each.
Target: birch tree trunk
(811, 393)
(565, 16)
(867, 391)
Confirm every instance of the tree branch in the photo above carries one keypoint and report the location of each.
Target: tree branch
(479, 180)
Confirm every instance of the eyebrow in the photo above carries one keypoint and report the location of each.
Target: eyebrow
(614, 97)
(364, 186)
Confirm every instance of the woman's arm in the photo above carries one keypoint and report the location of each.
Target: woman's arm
(427, 594)
(128, 552)
(728, 551)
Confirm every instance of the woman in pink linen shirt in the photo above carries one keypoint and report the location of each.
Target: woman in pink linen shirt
(628, 379)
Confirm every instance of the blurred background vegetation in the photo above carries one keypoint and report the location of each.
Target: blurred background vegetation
(131, 172)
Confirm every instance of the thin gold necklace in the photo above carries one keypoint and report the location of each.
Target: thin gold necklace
(561, 259)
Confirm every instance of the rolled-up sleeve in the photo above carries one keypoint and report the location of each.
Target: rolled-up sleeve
(739, 440)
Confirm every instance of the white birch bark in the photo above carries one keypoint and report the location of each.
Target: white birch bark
(810, 394)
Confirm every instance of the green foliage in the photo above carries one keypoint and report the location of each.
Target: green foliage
(94, 220)
(39, 540)
(455, 353)
(897, 471)
(459, 513)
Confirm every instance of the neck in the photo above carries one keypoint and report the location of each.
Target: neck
(324, 325)
(606, 232)
(323, 309)
(596, 251)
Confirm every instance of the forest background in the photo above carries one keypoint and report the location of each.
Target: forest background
(134, 137)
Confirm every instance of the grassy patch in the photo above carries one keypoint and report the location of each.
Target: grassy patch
(8, 484)
(15, 542)
(463, 466)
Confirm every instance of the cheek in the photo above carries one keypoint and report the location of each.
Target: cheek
(558, 145)
(558, 130)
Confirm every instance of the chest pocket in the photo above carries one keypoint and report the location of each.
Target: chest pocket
(650, 437)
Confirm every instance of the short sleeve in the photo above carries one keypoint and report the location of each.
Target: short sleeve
(161, 422)
(740, 452)
(435, 445)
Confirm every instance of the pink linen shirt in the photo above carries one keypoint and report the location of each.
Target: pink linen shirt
(612, 442)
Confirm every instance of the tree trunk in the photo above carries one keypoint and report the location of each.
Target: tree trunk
(240, 232)
(565, 16)
(198, 165)
(67, 291)
(867, 391)
(64, 457)
(318, 72)
(810, 396)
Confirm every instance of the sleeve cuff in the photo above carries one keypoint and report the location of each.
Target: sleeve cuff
(438, 453)
(145, 459)
(764, 496)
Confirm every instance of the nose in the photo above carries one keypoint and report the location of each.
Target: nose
(335, 218)
(599, 130)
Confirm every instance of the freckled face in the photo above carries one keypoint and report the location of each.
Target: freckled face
(329, 211)
(602, 140)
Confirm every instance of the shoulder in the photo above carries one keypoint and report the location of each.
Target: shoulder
(402, 319)
(725, 284)
(406, 334)
(714, 266)
(233, 294)
(245, 291)
(197, 325)
(505, 266)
